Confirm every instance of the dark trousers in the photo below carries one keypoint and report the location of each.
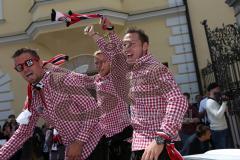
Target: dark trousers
(100, 152)
(137, 155)
(113, 148)
(220, 139)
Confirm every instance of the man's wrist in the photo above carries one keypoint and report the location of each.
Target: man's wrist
(93, 34)
(110, 28)
(164, 137)
(159, 140)
(80, 143)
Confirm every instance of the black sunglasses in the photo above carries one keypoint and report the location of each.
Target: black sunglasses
(27, 63)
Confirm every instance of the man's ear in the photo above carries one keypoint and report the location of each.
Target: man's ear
(145, 47)
(40, 62)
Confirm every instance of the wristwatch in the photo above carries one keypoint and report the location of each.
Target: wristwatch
(159, 140)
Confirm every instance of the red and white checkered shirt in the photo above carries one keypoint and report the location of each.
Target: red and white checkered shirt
(68, 107)
(112, 104)
(156, 101)
(115, 111)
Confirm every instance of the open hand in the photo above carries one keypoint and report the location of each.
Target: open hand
(106, 24)
(152, 151)
(89, 30)
(74, 150)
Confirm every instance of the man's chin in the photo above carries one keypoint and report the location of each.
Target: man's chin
(29, 80)
(130, 61)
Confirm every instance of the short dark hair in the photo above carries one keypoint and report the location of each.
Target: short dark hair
(201, 130)
(11, 116)
(5, 125)
(187, 95)
(25, 50)
(142, 35)
(212, 86)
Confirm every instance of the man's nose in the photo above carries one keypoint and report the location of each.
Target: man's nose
(126, 50)
(25, 69)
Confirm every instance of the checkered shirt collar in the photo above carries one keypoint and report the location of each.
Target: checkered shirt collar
(142, 60)
(40, 84)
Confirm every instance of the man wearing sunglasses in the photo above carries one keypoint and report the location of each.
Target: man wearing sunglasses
(59, 98)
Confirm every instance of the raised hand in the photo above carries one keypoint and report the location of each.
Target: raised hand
(106, 24)
(89, 30)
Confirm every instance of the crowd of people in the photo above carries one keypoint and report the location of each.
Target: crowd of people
(204, 125)
(137, 113)
(44, 144)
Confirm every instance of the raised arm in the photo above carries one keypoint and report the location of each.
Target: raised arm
(112, 49)
(84, 79)
(212, 107)
(108, 48)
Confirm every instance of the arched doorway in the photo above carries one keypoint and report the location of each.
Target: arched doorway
(84, 64)
(81, 64)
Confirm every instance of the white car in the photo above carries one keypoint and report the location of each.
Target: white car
(219, 154)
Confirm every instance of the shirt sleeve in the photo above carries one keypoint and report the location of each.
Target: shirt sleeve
(19, 137)
(114, 38)
(213, 108)
(176, 103)
(87, 81)
(110, 48)
(202, 106)
(83, 105)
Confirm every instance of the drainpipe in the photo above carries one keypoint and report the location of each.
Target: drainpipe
(193, 47)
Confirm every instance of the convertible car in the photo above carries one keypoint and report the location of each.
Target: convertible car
(219, 154)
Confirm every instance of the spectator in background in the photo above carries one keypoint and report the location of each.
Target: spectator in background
(57, 147)
(202, 110)
(33, 147)
(2, 140)
(7, 131)
(195, 143)
(216, 107)
(14, 124)
(4, 134)
(198, 99)
(48, 133)
(190, 121)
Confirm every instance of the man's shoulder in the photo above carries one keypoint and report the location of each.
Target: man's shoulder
(57, 76)
(203, 103)
(156, 67)
(211, 102)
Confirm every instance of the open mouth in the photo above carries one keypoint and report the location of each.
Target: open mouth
(29, 74)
